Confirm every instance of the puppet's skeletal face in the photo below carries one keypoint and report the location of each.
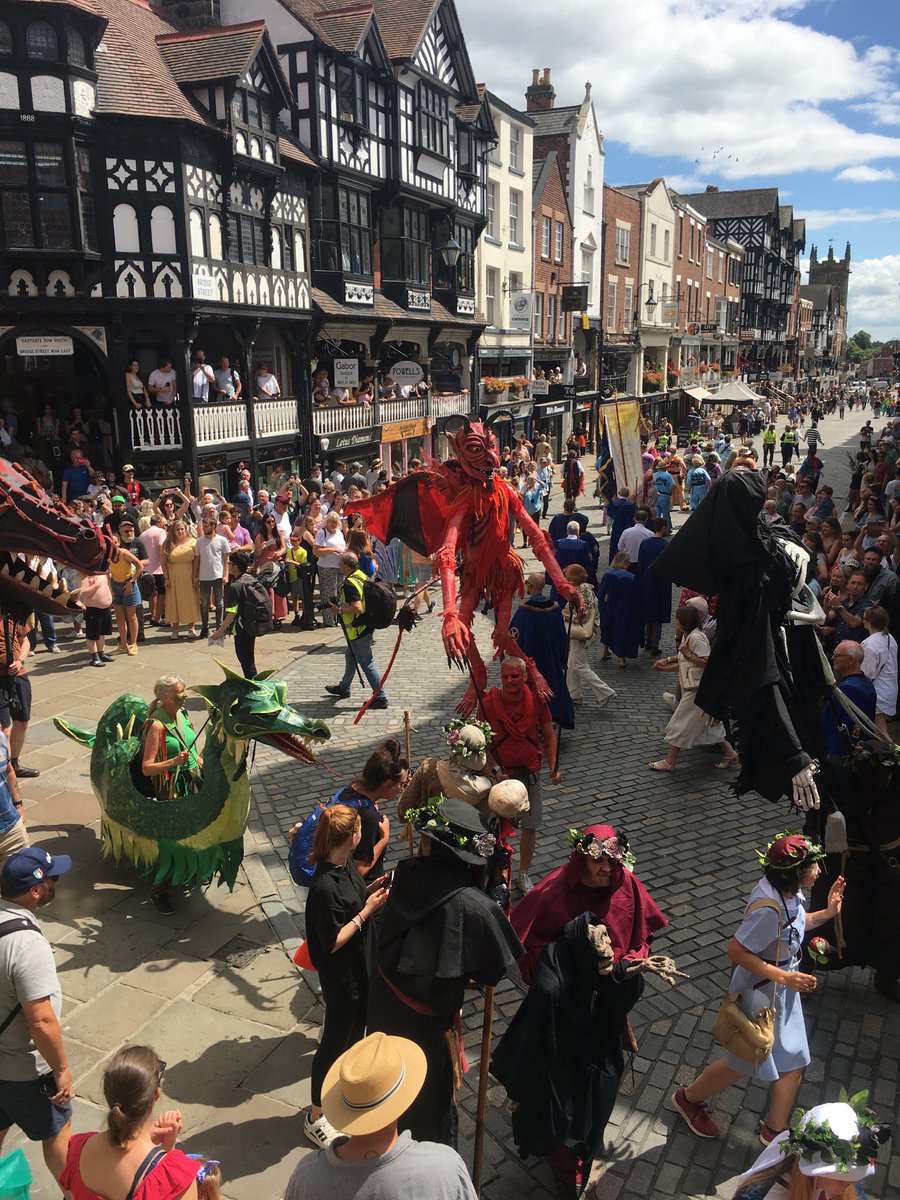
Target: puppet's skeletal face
(602, 944)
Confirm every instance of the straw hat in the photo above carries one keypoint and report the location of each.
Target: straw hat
(373, 1083)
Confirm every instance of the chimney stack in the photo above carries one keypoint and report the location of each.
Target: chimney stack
(540, 95)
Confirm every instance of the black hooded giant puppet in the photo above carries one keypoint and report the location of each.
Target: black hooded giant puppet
(764, 670)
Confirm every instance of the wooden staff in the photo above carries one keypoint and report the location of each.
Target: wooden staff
(483, 1080)
(406, 730)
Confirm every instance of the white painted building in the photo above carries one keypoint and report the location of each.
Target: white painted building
(504, 259)
(656, 322)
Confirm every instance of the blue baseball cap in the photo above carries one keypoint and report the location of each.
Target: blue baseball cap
(29, 867)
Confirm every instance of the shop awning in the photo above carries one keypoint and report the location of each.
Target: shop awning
(700, 394)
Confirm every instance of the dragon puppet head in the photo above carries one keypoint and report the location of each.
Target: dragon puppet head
(31, 524)
(476, 451)
(257, 709)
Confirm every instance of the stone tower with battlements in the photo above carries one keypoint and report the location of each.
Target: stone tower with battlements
(831, 270)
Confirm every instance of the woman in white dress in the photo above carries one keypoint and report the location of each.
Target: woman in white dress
(689, 726)
(880, 664)
(583, 633)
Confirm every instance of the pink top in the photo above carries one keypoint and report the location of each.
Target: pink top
(153, 538)
(168, 1180)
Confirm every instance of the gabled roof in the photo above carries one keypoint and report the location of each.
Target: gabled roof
(743, 202)
(290, 147)
(540, 174)
(785, 215)
(223, 52)
(88, 6)
(345, 26)
(548, 122)
(134, 79)
(637, 191)
(403, 24)
(819, 293)
(799, 228)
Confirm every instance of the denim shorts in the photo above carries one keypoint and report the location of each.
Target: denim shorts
(127, 594)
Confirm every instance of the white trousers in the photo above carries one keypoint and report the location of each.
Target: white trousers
(579, 673)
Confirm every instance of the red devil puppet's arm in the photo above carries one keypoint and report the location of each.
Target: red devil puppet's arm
(455, 633)
(544, 552)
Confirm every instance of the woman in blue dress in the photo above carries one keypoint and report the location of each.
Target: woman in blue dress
(618, 605)
(765, 951)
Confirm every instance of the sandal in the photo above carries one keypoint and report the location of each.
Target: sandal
(622, 665)
(660, 765)
(725, 763)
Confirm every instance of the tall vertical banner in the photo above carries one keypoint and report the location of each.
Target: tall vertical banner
(621, 442)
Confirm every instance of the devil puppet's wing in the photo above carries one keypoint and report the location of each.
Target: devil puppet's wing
(415, 509)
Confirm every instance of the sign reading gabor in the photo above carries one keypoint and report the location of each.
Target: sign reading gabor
(407, 371)
(346, 372)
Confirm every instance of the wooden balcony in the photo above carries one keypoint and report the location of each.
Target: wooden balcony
(156, 429)
(276, 418)
(218, 423)
(451, 405)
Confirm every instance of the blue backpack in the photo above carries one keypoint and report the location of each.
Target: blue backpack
(299, 866)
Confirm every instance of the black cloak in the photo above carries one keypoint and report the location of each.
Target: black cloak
(438, 932)
(725, 550)
(562, 1057)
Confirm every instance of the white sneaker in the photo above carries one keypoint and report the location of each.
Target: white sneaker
(668, 699)
(321, 1132)
(523, 879)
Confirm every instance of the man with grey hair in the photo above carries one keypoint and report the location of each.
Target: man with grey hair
(841, 730)
(351, 608)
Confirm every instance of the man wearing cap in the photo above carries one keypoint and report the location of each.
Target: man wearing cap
(120, 510)
(132, 488)
(439, 932)
(365, 1094)
(35, 1083)
(372, 474)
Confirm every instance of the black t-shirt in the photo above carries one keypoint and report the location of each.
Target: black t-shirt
(314, 486)
(336, 895)
(371, 830)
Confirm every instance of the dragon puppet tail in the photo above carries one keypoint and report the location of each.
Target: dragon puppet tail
(173, 862)
(77, 735)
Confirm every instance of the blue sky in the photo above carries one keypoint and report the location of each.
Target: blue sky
(803, 96)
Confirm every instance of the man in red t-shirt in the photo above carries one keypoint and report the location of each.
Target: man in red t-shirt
(521, 722)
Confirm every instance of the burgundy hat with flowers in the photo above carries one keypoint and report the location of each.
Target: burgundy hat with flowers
(788, 850)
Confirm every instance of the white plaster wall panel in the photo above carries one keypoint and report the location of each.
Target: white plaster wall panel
(162, 230)
(48, 93)
(84, 97)
(125, 229)
(9, 91)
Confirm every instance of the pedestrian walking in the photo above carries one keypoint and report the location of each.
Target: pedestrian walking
(248, 611)
(350, 609)
(766, 951)
(35, 1081)
(583, 629)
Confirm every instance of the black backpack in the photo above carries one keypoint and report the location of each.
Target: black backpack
(379, 603)
(254, 606)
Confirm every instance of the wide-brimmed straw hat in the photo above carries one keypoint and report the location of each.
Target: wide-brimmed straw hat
(373, 1083)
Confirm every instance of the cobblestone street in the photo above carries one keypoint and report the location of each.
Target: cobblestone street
(694, 843)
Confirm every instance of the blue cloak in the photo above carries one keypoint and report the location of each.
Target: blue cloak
(620, 613)
(541, 633)
(655, 593)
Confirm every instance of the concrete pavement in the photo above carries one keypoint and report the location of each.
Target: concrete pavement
(239, 1038)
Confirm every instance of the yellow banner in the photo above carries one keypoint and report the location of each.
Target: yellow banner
(399, 431)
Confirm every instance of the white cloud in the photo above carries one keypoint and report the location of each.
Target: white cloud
(727, 85)
(864, 174)
(826, 218)
(873, 301)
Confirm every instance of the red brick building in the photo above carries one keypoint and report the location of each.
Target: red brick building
(621, 276)
(552, 265)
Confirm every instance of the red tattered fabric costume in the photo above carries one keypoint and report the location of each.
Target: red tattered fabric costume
(625, 907)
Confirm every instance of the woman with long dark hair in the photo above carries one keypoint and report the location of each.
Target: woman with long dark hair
(269, 549)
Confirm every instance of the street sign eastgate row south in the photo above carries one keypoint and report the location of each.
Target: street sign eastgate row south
(45, 345)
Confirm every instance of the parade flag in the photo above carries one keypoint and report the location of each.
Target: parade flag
(622, 434)
(606, 470)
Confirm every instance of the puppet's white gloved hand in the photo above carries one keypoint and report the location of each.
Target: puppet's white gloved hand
(656, 964)
(804, 792)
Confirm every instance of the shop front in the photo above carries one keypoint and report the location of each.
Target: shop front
(584, 417)
(355, 445)
(508, 421)
(404, 441)
(552, 416)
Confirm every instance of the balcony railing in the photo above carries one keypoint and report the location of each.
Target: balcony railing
(276, 418)
(456, 404)
(343, 418)
(402, 410)
(346, 418)
(156, 429)
(215, 423)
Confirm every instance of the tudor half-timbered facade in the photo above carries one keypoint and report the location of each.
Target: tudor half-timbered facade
(773, 240)
(383, 94)
(151, 204)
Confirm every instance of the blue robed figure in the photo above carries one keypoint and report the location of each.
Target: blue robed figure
(540, 630)
(620, 611)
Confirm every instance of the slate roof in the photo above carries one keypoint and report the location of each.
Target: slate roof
(89, 6)
(551, 121)
(785, 215)
(219, 53)
(385, 309)
(743, 202)
(540, 173)
(134, 79)
(819, 293)
(345, 26)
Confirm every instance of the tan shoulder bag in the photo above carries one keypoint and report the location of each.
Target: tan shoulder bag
(749, 1038)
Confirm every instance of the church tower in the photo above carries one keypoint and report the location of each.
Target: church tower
(835, 271)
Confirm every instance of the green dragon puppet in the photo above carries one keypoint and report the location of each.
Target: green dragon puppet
(192, 839)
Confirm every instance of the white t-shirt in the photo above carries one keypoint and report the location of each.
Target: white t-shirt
(165, 381)
(334, 542)
(27, 972)
(267, 385)
(283, 524)
(227, 378)
(213, 554)
(880, 665)
(201, 377)
(631, 539)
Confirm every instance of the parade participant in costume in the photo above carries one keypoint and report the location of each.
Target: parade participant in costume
(582, 632)
(462, 775)
(655, 593)
(620, 512)
(620, 612)
(766, 665)
(825, 1155)
(540, 631)
(765, 951)
(439, 933)
(523, 731)
(586, 929)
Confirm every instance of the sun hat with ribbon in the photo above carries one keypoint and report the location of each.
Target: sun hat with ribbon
(373, 1083)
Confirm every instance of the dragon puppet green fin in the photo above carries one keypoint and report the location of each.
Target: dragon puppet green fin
(77, 735)
(263, 675)
(229, 673)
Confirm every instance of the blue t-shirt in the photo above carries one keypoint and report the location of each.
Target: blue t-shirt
(664, 482)
(9, 814)
(78, 479)
(861, 691)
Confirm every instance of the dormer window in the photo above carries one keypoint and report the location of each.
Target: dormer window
(351, 97)
(77, 53)
(41, 41)
(433, 134)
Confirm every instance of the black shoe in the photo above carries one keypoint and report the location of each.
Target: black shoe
(310, 626)
(296, 620)
(104, 657)
(379, 702)
(334, 689)
(24, 772)
(97, 661)
(162, 902)
(204, 633)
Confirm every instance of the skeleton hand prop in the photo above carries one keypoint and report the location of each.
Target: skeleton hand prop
(804, 792)
(657, 964)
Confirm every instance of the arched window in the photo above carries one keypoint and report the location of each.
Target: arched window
(125, 229)
(76, 49)
(41, 41)
(215, 236)
(276, 250)
(162, 230)
(6, 42)
(198, 233)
